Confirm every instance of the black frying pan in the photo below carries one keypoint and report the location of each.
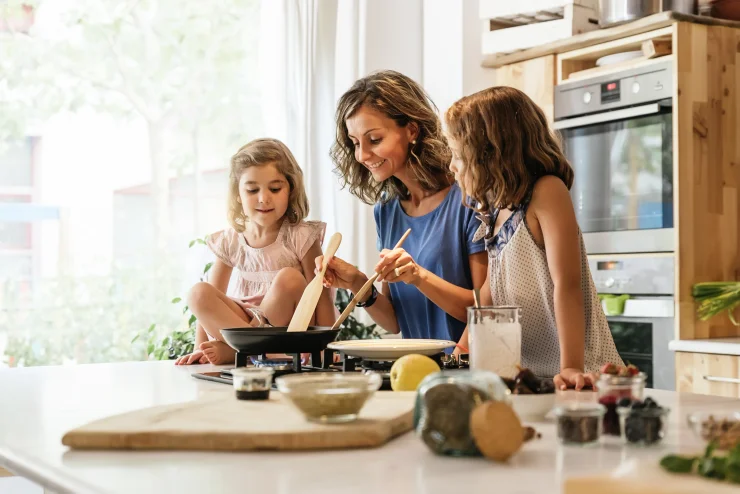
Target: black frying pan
(257, 341)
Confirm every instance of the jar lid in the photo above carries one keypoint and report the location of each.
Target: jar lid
(644, 412)
(579, 410)
(255, 372)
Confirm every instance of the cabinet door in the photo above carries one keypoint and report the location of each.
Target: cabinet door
(535, 77)
(708, 374)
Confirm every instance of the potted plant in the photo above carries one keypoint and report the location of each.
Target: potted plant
(715, 297)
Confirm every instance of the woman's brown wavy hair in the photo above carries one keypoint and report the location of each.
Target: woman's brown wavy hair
(404, 101)
(506, 146)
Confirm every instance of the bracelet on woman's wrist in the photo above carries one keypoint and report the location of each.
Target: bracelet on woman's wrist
(371, 299)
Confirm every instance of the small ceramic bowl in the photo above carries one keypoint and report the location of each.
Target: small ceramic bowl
(532, 407)
(329, 397)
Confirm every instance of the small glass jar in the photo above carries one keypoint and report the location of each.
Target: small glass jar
(252, 383)
(613, 388)
(444, 401)
(579, 423)
(495, 339)
(642, 426)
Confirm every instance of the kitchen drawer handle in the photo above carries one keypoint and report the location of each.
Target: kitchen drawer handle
(732, 380)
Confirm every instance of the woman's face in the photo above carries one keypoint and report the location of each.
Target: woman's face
(380, 144)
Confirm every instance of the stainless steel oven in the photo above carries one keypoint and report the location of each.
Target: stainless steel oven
(617, 133)
(638, 292)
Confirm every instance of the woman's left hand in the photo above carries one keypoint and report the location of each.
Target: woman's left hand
(574, 378)
(398, 265)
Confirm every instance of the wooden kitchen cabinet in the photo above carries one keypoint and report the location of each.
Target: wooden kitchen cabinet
(535, 77)
(706, 155)
(708, 374)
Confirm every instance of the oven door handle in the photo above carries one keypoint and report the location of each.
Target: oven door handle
(608, 116)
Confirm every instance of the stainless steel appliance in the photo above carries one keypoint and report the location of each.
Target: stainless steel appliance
(613, 12)
(645, 326)
(617, 133)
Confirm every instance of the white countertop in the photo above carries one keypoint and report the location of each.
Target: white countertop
(40, 404)
(719, 346)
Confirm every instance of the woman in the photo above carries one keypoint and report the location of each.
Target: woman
(391, 152)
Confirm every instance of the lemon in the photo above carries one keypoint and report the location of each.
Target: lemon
(408, 371)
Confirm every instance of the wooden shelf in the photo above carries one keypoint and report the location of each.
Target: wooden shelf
(650, 23)
(581, 63)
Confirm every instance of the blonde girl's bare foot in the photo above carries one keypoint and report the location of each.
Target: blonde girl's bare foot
(218, 352)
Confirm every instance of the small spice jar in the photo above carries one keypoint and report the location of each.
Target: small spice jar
(642, 426)
(444, 402)
(613, 388)
(579, 423)
(252, 383)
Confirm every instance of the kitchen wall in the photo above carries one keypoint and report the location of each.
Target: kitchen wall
(436, 42)
(451, 51)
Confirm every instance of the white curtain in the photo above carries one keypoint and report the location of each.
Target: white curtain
(311, 51)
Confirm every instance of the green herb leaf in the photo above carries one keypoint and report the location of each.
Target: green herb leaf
(135, 338)
(185, 309)
(678, 464)
(710, 449)
(712, 468)
(192, 242)
(208, 266)
(151, 328)
(191, 320)
(176, 300)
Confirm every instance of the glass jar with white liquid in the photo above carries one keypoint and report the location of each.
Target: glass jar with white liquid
(495, 339)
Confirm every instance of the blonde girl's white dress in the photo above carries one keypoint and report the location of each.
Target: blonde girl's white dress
(256, 268)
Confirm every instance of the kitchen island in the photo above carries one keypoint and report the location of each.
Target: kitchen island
(40, 404)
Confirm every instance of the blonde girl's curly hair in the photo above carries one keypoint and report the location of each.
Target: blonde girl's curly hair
(261, 152)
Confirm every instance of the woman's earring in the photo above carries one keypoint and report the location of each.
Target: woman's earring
(413, 142)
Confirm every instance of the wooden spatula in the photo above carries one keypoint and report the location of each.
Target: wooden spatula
(307, 305)
(362, 291)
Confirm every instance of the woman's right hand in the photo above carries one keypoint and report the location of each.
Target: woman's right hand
(340, 274)
(197, 357)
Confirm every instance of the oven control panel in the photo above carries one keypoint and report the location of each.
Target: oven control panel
(633, 274)
(631, 87)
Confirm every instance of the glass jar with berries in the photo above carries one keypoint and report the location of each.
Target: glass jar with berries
(642, 422)
(615, 383)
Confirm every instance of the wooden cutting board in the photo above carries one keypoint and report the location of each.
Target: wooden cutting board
(220, 422)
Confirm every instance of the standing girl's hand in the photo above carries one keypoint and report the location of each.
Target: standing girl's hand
(340, 274)
(574, 378)
(397, 265)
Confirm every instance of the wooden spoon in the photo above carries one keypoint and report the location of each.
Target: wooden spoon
(307, 305)
(362, 291)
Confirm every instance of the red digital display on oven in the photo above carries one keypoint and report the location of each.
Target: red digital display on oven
(611, 86)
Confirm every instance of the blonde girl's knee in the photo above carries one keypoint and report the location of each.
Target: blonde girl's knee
(199, 295)
(290, 280)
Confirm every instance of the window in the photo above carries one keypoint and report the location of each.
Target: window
(136, 111)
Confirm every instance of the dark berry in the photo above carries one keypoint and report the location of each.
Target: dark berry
(624, 402)
(650, 403)
(634, 428)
